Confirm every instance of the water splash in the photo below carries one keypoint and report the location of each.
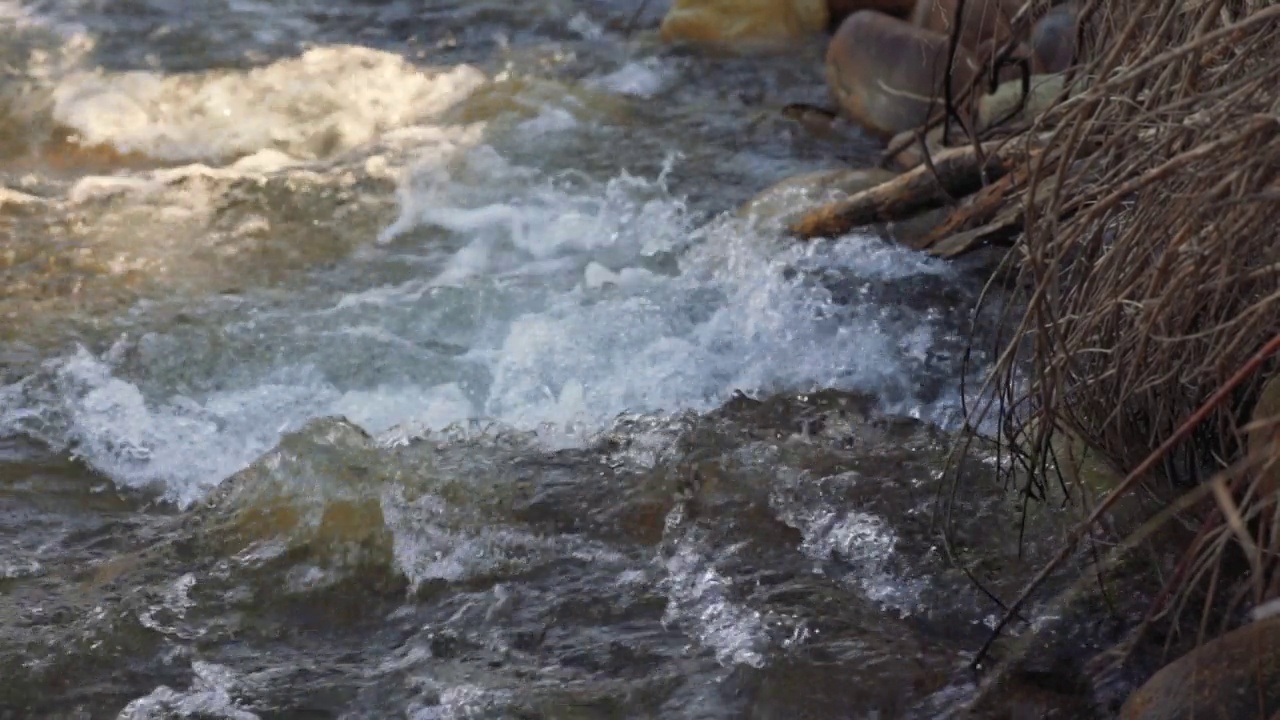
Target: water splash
(557, 301)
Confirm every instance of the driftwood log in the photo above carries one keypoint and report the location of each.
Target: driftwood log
(952, 174)
(976, 209)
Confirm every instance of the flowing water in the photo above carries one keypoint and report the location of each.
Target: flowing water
(404, 358)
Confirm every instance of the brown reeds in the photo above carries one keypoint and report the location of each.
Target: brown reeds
(1148, 276)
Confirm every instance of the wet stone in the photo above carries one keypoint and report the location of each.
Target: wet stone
(1233, 677)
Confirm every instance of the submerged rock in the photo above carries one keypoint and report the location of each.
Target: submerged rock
(1235, 677)
(744, 24)
(888, 75)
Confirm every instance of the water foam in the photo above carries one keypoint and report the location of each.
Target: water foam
(328, 100)
(551, 303)
(642, 78)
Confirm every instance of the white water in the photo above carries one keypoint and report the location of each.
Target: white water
(554, 300)
(500, 291)
(328, 100)
(543, 301)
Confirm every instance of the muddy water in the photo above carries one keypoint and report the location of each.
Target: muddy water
(400, 359)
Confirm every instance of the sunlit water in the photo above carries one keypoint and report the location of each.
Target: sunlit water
(370, 359)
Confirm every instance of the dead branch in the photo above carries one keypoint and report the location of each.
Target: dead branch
(955, 173)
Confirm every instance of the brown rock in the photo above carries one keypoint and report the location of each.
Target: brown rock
(888, 75)
(1235, 677)
(841, 9)
(745, 25)
(1053, 40)
(983, 20)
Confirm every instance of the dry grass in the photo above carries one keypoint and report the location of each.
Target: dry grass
(1149, 273)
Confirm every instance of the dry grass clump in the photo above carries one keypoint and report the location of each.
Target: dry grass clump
(1149, 269)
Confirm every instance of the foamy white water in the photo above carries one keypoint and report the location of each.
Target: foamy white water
(557, 301)
(443, 221)
(541, 300)
(328, 100)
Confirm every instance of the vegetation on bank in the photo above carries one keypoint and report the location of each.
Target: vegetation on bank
(1149, 269)
(1137, 194)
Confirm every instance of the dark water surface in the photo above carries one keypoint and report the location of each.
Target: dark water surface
(396, 359)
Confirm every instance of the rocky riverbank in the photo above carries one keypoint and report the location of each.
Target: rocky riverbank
(975, 102)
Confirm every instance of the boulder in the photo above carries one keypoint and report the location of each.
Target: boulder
(1234, 677)
(983, 20)
(888, 75)
(745, 25)
(1053, 40)
(1005, 104)
(1008, 105)
(841, 9)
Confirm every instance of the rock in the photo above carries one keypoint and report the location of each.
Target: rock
(983, 20)
(1234, 677)
(1007, 105)
(817, 120)
(887, 75)
(745, 25)
(1053, 40)
(841, 9)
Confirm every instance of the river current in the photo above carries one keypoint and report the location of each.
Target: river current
(390, 358)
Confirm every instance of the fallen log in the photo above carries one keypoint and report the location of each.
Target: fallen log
(1007, 223)
(977, 209)
(954, 173)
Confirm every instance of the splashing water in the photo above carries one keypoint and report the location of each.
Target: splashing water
(553, 302)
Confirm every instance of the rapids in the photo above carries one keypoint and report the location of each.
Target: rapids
(381, 358)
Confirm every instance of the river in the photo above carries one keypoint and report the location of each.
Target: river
(391, 358)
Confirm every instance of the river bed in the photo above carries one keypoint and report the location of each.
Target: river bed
(406, 359)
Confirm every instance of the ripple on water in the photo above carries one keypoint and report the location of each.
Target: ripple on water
(210, 696)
